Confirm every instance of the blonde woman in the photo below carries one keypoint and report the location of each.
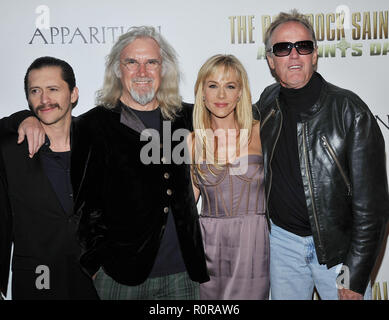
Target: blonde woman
(227, 171)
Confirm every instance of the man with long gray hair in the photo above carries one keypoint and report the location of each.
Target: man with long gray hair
(139, 223)
(325, 175)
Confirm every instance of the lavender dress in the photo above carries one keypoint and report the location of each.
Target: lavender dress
(235, 231)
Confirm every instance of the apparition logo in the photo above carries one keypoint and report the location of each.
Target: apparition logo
(45, 33)
(78, 35)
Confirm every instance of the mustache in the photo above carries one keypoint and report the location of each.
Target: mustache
(142, 79)
(44, 106)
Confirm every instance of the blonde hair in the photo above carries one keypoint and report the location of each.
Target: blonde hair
(202, 116)
(168, 93)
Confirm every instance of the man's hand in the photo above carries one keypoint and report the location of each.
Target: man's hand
(32, 128)
(346, 294)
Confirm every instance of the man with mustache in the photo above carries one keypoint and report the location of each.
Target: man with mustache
(325, 173)
(36, 205)
(139, 222)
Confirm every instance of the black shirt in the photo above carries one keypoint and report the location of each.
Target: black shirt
(56, 165)
(287, 203)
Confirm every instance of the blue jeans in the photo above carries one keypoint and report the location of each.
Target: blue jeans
(295, 270)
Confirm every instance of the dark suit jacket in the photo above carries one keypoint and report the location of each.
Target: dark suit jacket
(123, 202)
(43, 234)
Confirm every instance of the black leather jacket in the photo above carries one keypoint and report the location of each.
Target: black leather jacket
(343, 168)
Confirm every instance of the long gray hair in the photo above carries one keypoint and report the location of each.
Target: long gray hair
(168, 95)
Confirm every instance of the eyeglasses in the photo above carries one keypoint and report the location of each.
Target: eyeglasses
(283, 49)
(133, 65)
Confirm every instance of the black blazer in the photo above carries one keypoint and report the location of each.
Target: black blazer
(43, 234)
(122, 202)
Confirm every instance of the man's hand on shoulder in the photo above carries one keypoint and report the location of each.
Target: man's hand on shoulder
(33, 130)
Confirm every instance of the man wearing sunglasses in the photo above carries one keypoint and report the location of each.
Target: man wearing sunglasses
(325, 175)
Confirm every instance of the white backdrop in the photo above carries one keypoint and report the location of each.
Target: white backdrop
(82, 33)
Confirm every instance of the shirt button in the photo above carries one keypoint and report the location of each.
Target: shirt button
(166, 175)
(169, 192)
(166, 209)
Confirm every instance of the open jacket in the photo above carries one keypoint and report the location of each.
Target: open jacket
(8, 125)
(43, 234)
(123, 203)
(343, 168)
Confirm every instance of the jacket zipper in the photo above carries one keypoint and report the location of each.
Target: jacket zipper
(332, 154)
(272, 152)
(310, 183)
(271, 113)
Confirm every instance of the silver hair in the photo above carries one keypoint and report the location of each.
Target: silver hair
(167, 95)
(284, 17)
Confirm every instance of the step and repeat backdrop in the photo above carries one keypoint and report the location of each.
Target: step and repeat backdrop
(352, 38)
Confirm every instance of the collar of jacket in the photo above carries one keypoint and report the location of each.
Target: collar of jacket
(305, 116)
(129, 118)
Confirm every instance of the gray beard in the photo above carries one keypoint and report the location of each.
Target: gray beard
(144, 98)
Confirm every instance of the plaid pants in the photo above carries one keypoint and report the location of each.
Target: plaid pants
(172, 287)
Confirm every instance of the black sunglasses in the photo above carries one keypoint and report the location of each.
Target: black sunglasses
(283, 49)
